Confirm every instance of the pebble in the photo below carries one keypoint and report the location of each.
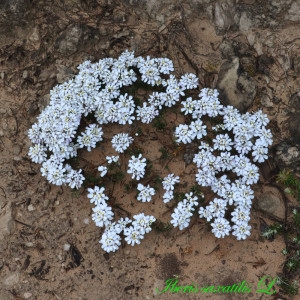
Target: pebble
(25, 74)
(27, 295)
(16, 149)
(86, 221)
(67, 247)
(46, 203)
(30, 207)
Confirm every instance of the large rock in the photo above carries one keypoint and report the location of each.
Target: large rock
(224, 15)
(293, 14)
(270, 202)
(235, 86)
(13, 12)
(6, 220)
(288, 156)
(74, 38)
(295, 100)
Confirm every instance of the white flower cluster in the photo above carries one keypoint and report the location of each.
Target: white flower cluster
(145, 193)
(111, 239)
(248, 136)
(97, 90)
(183, 212)
(121, 142)
(137, 167)
(238, 143)
(168, 184)
(102, 216)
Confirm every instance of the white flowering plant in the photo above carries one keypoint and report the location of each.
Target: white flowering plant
(225, 157)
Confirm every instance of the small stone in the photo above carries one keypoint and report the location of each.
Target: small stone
(30, 207)
(12, 279)
(29, 244)
(6, 220)
(16, 149)
(25, 74)
(27, 295)
(67, 247)
(86, 221)
(245, 22)
(46, 203)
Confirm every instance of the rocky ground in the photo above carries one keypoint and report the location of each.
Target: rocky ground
(49, 249)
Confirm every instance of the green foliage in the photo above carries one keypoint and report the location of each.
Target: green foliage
(137, 101)
(117, 176)
(164, 153)
(91, 180)
(133, 151)
(272, 230)
(159, 122)
(287, 178)
(179, 196)
(289, 288)
(296, 217)
(292, 263)
(196, 190)
(160, 226)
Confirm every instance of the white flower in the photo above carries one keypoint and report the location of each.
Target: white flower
(169, 182)
(241, 230)
(57, 175)
(123, 222)
(112, 159)
(188, 105)
(146, 193)
(102, 170)
(146, 113)
(102, 215)
(143, 223)
(121, 142)
(97, 195)
(221, 227)
(137, 167)
(74, 179)
(184, 134)
(111, 241)
(197, 129)
(181, 216)
(133, 235)
(189, 81)
(217, 207)
(240, 215)
(205, 213)
(222, 142)
(168, 196)
(37, 153)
